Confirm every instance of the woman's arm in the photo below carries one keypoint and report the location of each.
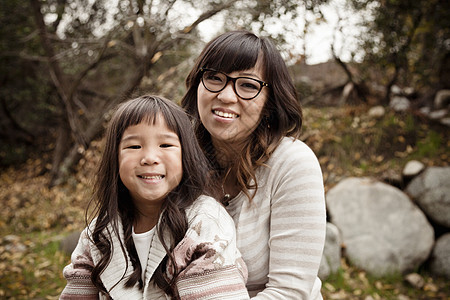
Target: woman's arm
(297, 225)
(210, 265)
(78, 273)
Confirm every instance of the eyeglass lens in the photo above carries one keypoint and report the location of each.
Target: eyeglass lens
(246, 88)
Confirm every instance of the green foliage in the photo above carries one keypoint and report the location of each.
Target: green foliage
(406, 41)
(352, 143)
(430, 145)
(26, 98)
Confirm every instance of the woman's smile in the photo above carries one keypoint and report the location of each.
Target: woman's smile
(225, 115)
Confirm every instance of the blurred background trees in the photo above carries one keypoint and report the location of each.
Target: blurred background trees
(408, 42)
(66, 63)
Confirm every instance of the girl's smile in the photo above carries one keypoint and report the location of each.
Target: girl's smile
(150, 163)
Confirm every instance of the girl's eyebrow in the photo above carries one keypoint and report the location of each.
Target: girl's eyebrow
(129, 137)
(167, 135)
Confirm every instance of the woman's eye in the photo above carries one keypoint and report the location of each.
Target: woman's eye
(249, 86)
(214, 77)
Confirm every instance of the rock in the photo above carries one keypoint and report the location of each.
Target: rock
(382, 230)
(415, 280)
(69, 243)
(376, 112)
(438, 114)
(13, 244)
(331, 258)
(396, 90)
(393, 178)
(408, 91)
(440, 257)
(431, 191)
(445, 121)
(425, 110)
(412, 168)
(442, 99)
(399, 103)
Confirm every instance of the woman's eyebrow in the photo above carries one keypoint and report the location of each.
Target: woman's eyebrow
(249, 74)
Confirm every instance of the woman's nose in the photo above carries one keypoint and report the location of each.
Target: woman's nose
(227, 95)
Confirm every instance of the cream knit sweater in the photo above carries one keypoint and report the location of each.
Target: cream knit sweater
(210, 265)
(281, 233)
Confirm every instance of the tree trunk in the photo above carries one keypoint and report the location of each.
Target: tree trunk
(62, 145)
(359, 86)
(76, 152)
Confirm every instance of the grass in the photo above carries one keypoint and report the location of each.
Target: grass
(346, 140)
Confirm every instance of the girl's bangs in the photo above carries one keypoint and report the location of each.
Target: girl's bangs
(148, 111)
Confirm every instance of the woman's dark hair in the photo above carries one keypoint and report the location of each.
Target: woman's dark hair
(281, 115)
(112, 200)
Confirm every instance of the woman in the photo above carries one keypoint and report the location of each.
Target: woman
(247, 119)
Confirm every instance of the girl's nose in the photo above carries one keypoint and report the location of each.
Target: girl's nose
(150, 157)
(227, 95)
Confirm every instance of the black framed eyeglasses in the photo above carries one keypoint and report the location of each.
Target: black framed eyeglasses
(246, 88)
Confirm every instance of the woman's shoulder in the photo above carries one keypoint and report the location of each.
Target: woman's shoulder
(291, 149)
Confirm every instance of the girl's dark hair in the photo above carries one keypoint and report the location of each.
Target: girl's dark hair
(112, 200)
(281, 115)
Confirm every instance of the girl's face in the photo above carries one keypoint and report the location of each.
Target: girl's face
(225, 115)
(150, 164)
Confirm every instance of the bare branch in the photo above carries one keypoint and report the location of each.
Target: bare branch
(182, 34)
(56, 73)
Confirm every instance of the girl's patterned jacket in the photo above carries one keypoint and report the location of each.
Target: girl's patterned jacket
(210, 264)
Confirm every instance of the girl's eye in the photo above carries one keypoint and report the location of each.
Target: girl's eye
(134, 147)
(166, 145)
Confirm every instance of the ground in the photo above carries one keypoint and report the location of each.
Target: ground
(34, 218)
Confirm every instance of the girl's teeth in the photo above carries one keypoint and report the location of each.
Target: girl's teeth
(225, 114)
(152, 177)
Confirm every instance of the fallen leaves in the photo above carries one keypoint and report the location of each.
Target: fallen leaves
(34, 218)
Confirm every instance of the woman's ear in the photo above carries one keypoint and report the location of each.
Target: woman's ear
(266, 121)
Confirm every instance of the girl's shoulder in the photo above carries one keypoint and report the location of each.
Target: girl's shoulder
(208, 208)
(205, 204)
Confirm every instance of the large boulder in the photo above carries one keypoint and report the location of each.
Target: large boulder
(331, 258)
(431, 191)
(383, 231)
(440, 257)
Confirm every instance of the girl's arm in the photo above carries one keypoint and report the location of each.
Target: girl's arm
(78, 273)
(210, 265)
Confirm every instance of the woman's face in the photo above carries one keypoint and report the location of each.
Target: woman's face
(226, 116)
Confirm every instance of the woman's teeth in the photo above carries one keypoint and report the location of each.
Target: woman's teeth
(225, 114)
(153, 177)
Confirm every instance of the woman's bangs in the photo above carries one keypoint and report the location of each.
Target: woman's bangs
(233, 55)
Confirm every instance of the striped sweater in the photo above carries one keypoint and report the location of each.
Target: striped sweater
(210, 265)
(281, 233)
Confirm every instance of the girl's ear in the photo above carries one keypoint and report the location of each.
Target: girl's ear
(122, 187)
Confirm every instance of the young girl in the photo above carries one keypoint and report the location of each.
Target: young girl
(248, 120)
(155, 235)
